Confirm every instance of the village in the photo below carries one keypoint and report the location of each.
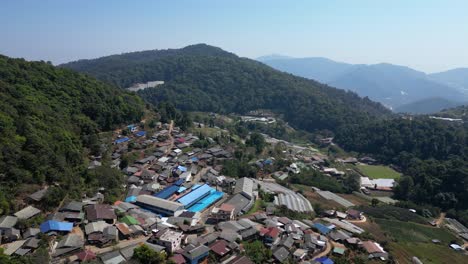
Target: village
(179, 202)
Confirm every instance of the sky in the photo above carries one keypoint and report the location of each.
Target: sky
(427, 35)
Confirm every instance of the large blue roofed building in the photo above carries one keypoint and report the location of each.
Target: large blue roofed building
(167, 192)
(195, 195)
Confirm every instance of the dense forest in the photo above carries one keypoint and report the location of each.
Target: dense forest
(50, 118)
(432, 153)
(205, 78)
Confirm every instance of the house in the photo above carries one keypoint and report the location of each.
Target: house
(324, 230)
(178, 259)
(7, 222)
(196, 254)
(97, 212)
(374, 249)
(299, 254)
(11, 234)
(324, 260)
(27, 212)
(169, 239)
(37, 196)
(113, 257)
(86, 256)
(281, 254)
(52, 225)
(221, 250)
(224, 213)
(270, 234)
(68, 244)
(31, 232)
(354, 214)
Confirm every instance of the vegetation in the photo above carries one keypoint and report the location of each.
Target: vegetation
(390, 212)
(50, 119)
(317, 179)
(257, 251)
(145, 255)
(378, 172)
(205, 78)
(432, 155)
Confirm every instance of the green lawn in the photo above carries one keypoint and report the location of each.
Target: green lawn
(378, 172)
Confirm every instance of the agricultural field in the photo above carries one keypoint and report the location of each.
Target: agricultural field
(388, 212)
(378, 172)
(411, 239)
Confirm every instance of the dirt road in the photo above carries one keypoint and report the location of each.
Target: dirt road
(440, 220)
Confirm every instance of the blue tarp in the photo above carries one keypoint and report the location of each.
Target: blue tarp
(167, 192)
(194, 159)
(322, 228)
(121, 140)
(52, 225)
(131, 199)
(324, 260)
(181, 189)
(140, 133)
(268, 162)
(195, 195)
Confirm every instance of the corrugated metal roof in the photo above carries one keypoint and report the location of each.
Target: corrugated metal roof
(195, 195)
(159, 203)
(52, 225)
(167, 192)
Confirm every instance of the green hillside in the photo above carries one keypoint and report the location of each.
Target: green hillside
(205, 78)
(48, 116)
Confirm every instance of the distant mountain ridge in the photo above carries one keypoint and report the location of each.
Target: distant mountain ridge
(391, 85)
(427, 106)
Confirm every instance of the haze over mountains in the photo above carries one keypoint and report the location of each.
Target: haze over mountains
(397, 87)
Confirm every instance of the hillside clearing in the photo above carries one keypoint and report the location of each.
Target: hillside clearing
(378, 172)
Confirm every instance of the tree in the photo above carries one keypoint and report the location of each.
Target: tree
(375, 202)
(145, 255)
(257, 141)
(257, 252)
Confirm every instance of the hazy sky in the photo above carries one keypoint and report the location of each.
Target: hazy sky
(424, 34)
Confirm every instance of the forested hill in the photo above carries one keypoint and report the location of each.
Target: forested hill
(205, 78)
(49, 115)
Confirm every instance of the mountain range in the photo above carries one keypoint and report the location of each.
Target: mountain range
(397, 87)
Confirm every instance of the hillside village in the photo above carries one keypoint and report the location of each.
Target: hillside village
(179, 201)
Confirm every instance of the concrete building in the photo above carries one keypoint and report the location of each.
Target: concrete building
(169, 239)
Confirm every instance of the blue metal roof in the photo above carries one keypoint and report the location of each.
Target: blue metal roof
(52, 225)
(140, 133)
(195, 195)
(182, 168)
(167, 192)
(181, 189)
(131, 199)
(179, 182)
(322, 228)
(121, 140)
(324, 260)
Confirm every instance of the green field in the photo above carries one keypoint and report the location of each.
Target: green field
(410, 239)
(378, 172)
